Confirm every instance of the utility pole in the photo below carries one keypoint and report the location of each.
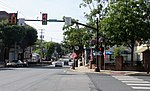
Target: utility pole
(42, 36)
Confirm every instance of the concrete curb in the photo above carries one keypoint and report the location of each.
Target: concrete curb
(109, 72)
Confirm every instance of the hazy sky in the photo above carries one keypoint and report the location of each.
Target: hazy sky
(56, 9)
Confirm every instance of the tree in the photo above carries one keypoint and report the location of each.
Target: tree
(28, 39)
(53, 48)
(74, 36)
(126, 23)
(97, 9)
(3, 23)
(11, 35)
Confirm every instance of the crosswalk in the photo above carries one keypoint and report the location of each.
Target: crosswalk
(135, 83)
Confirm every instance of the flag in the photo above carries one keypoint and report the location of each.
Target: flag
(105, 56)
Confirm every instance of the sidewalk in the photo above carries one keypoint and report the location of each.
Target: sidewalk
(110, 72)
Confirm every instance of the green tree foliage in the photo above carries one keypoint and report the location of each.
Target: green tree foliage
(74, 36)
(11, 35)
(2, 24)
(97, 9)
(36, 46)
(49, 46)
(29, 38)
(24, 36)
(127, 22)
(81, 36)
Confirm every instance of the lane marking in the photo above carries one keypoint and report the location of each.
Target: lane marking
(141, 88)
(139, 84)
(135, 81)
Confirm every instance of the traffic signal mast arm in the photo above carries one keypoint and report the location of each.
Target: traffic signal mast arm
(84, 25)
(55, 20)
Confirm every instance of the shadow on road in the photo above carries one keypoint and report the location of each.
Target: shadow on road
(47, 67)
(3, 69)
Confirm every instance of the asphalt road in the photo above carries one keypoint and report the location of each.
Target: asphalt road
(46, 78)
(104, 82)
(49, 78)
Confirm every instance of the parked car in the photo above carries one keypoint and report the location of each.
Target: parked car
(12, 63)
(67, 61)
(35, 57)
(25, 63)
(58, 64)
(17, 63)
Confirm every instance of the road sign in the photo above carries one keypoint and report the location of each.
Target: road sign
(67, 20)
(76, 47)
(21, 22)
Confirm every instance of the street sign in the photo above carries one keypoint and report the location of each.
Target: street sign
(67, 20)
(21, 22)
(76, 47)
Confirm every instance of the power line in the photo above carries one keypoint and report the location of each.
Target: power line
(8, 6)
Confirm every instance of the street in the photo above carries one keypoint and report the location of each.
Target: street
(42, 79)
(50, 78)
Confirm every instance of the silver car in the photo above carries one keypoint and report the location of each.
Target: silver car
(58, 64)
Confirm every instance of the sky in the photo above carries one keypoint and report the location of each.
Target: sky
(56, 9)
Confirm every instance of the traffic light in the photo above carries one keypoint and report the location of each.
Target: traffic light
(44, 19)
(101, 49)
(12, 18)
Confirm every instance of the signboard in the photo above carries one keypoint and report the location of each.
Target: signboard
(67, 20)
(21, 22)
(76, 47)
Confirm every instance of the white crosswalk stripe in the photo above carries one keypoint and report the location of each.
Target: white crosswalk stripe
(135, 83)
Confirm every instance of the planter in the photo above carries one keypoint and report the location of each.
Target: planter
(119, 63)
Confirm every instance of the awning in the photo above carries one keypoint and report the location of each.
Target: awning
(109, 53)
(125, 52)
(141, 50)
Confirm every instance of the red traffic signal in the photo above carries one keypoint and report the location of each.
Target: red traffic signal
(12, 18)
(101, 49)
(44, 19)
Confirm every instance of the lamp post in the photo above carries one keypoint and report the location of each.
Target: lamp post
(97, 62)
